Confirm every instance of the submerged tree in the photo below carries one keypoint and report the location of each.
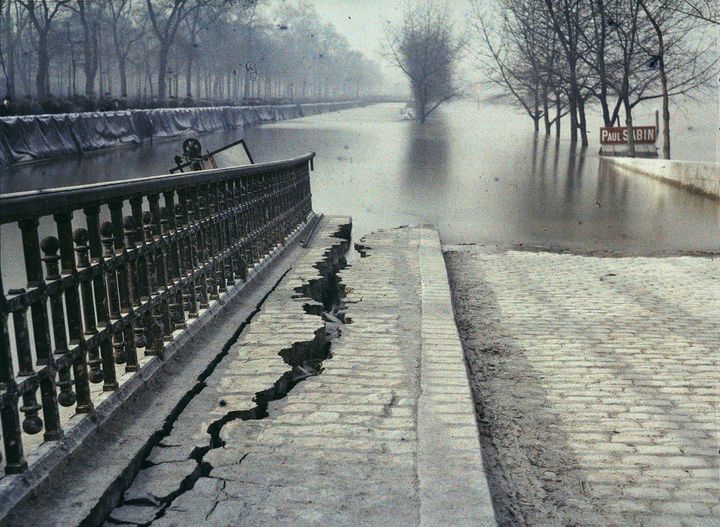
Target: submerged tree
(615, 53)
(425, 48)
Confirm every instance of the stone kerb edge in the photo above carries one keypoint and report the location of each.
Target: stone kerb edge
(453, 487)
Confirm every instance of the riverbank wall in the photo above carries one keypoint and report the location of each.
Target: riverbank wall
(703, 177)
(35, 137)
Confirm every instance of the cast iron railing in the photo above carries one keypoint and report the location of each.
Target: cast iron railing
(128, 283)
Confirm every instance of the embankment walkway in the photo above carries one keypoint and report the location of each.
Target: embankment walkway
(344, 401)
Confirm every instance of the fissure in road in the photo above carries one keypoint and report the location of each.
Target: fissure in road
(172, 469)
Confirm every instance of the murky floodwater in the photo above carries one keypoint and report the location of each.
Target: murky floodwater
(477, 172)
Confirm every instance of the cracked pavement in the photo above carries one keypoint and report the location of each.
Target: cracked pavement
(327, 410)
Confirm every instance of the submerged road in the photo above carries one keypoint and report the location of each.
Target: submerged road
(476, 172)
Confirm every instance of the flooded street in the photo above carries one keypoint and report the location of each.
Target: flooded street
(477, 172)
(482, 176)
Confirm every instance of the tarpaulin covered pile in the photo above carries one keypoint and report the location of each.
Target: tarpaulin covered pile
(32, 137)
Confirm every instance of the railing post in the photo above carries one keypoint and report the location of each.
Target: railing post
(234, 231)
(131, 254)
(80, 237)
(188, 206)
(9, 417)
(92, 215)
(72, 308)
(41, 330)
(32, 424)
(50, 247)
(153, 318)
(111, 288)
(174, 221)
(201, 285)
(182, 265)
(123, 273)
(164, 272)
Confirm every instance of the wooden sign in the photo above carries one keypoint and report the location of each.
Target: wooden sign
(644, 135)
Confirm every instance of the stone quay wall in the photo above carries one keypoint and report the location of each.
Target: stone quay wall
(29, 138)
(698, 176)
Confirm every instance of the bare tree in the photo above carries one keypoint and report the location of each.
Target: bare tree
(41, 14)
(166, 17)
(426, 50)
(704, 10)
(519, 52)
(12, 25)
(88, 13)
(660, 57)
(125, 34)
(566, 18)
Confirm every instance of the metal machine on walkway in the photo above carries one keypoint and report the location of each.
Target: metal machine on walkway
(193, 159)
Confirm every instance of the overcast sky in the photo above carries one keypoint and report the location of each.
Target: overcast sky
(363, 23)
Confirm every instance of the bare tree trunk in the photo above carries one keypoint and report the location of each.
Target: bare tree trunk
(41, 78)
(663, 80)
(9, 64)
(666, 112)
(558, 114)
(101, 87)
(572, 108)
(188, 76)
(90, 51)
(546, 112)
(74, 77)
(582, 122)
(629, 125)
(162, 70)
(122, 69)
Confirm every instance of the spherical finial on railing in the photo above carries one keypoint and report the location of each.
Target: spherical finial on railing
(147, 217)
(107, 229)
(32, 424)
(80, 236)
(129, 222)
(50, 245)
(66, 397)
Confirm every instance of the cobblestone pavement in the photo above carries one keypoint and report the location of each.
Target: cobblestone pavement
(384, 436)
(597, 385)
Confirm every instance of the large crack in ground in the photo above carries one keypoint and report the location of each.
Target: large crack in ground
(321, 296)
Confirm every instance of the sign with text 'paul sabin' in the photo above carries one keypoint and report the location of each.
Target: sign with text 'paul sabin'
(643, 135)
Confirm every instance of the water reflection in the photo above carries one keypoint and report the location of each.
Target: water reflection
(149, 158)
(426, 171)
(480, 175)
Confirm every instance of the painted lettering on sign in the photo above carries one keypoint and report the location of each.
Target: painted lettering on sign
(643, 135)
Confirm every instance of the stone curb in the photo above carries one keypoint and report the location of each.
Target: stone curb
(453, 488)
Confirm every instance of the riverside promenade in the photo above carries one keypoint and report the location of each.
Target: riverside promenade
(343, 400)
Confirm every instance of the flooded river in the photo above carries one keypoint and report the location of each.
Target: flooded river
(476, 172)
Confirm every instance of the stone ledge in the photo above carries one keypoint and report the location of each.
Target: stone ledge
(703, 178)
(453, 487)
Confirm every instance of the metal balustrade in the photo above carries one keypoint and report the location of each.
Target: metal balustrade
(112, 289)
